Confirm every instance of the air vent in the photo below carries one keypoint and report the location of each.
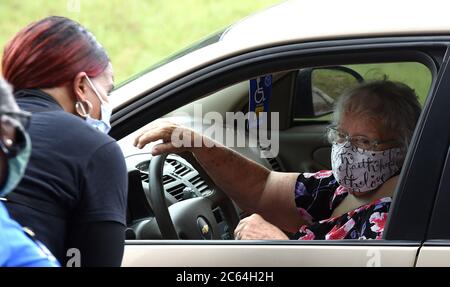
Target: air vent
(199, 184)
(168, 179)
(180, 169)
(177, 191)
(274, 164)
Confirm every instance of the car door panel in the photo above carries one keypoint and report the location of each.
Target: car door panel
(434, 256)
(201, 254)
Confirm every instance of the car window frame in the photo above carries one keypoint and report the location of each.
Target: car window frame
(410, 195)
(438, 234)
(218, 75)
(440, 218)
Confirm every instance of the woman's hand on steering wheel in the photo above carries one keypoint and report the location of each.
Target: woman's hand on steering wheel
(255, 227)
(175, 138)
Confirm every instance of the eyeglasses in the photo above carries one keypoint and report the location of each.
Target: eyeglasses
(12, 132)
(337, 136)
(22, 117)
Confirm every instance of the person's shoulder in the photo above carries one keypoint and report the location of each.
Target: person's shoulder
(6, 228)
(328, 174)
(107, 154)
(309, 185)
(70, 133)
(7, 225)
(58, 118)
(74, 127)
(19, 250)
(109, 148)
(63, 118)
(3, 215)
(318, 179)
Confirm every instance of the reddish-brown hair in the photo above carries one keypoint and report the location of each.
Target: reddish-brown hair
(50, 53)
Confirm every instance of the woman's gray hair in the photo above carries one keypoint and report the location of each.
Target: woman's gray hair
(394, 104)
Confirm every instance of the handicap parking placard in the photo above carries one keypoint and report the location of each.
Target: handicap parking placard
(259, 97)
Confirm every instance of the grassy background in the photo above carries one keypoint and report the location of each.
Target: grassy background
(139, 33)
(415, 75)
(335, 83)
(136, 33)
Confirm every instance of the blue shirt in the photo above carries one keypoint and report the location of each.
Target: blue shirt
(76, 175)
(17, 249)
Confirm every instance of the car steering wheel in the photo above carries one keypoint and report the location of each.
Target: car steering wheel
(191, 218)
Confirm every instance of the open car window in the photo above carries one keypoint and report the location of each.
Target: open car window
(328, 83)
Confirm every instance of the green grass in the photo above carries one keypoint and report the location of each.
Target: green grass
(334, 83)
(415, 75)
(140, 33)
(136, 33)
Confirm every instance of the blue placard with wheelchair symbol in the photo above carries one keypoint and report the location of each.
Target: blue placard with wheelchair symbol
(259, 97)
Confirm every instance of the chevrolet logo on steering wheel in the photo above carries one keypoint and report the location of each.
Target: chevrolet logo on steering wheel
(205, 231)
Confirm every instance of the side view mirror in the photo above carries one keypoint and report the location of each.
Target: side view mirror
(317, 89)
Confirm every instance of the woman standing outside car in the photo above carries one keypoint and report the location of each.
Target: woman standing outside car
(74, 191)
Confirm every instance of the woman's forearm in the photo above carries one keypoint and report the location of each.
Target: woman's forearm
(252, 187)
(240, 178)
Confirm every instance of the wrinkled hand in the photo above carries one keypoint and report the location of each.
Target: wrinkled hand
(255, 227)
(175, 138)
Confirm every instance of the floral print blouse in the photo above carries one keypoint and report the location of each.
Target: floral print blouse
(316, 197)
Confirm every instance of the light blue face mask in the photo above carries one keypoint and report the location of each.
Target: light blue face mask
(16, 168)
(103, 124)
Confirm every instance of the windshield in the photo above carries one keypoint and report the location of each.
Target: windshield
(214, 38)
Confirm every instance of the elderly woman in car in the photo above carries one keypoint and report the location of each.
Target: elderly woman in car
(373, 125)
